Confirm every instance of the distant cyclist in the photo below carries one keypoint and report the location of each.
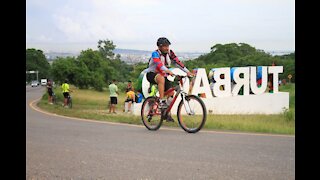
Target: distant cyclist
(50, 91)
(158, 69)
(65, 91)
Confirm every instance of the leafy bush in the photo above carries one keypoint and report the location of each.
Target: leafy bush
(289, 115)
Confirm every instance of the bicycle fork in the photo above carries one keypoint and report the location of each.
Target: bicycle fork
(186, 104)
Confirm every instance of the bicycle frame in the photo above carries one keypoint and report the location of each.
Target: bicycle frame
(178, 91)
(183, 95)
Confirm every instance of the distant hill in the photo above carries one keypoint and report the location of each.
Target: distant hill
(131, 51)
(52, 55)
(279, 53)
(130, 56)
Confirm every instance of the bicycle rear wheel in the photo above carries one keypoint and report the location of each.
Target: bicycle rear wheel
(194, 119)
(150, 114)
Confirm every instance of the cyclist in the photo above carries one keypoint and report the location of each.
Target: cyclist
(50, 92)
(65, 91)
(157, 71)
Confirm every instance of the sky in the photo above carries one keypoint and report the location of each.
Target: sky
(190, 25)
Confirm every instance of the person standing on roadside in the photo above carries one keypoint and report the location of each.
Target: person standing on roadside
(50, 91)
(113, 88)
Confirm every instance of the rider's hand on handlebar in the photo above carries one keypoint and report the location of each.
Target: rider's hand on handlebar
(170, 72)
(190, 74)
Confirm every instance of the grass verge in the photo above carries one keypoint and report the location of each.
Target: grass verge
(90, 104)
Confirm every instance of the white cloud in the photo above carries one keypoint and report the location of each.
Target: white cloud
(39, 38)
(190, 25)
(101, 20)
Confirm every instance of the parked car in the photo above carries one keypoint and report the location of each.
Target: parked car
(34, 83)
(43, 82)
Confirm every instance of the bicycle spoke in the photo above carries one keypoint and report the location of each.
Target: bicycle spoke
(149, 115)
(191, 122)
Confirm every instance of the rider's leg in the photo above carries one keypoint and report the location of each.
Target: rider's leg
(167, 86)
(160, 81)
(50, 97)
(65, 94)
(65, 101)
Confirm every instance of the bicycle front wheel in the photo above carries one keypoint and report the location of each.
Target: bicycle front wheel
(192, 114)
(150, 114)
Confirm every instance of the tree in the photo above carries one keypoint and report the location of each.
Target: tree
(118, 56)
(242, 54)
(64, 68)
(36, 61)
(106, 48)
(92, 68)
(91, 58)
(83, 76)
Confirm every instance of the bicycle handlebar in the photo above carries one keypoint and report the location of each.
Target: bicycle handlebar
(172, 77)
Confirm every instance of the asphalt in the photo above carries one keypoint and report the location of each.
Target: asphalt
(64, 148)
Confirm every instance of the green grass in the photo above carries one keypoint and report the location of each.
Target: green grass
(90, 104)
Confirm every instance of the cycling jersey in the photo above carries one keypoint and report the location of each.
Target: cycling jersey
(65, 87)
(160, 62)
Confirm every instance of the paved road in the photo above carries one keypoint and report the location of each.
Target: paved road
(63, 148)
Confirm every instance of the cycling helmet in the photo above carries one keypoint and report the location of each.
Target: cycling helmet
(163, 41)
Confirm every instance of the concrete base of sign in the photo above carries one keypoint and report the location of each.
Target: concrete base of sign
(267, 103)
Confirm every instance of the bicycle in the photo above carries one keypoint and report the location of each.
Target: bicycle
(69, 101)
(191, 118)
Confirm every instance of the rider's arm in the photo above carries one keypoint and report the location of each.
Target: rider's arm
(160, 67)
(177, 62)
(68, 87)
